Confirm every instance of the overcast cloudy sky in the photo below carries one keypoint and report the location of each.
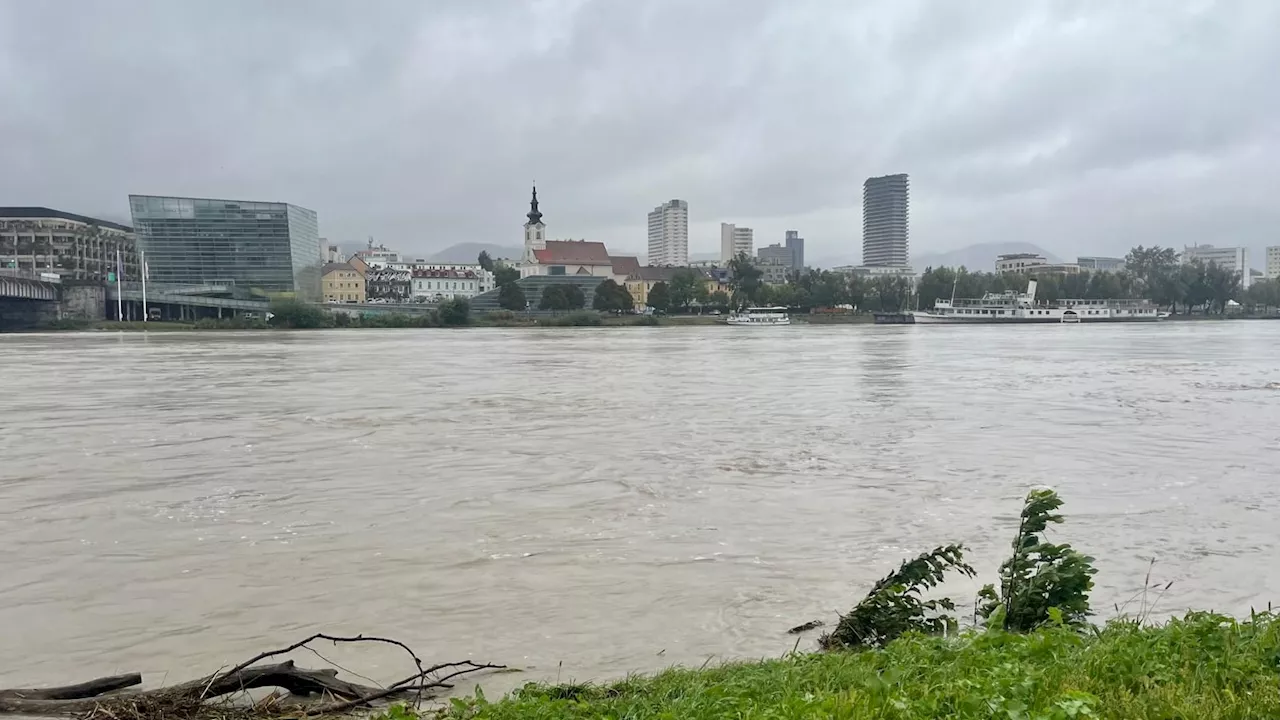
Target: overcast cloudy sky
(1083, 126)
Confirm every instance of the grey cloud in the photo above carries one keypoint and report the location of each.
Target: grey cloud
(1085, 126)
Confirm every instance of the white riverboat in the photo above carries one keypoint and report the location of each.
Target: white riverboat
(1011, 307)
(760, 316)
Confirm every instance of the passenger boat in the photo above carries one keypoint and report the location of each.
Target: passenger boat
(760, 316)
(1011, 307)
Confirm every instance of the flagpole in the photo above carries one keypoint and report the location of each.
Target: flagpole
(119, 301)
(142, 254)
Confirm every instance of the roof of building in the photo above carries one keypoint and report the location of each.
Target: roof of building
(651, 273)
(624, 265)
(332, 267)
(570, 252)
(455, 274)
(44, 213)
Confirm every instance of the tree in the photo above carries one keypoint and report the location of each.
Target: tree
(1193, 285)
(1154, 270)
(683, 288)
(455, 312)
(612, 297)
(744, 280)
(719, 299)
(505, 275)
(659, 297)
(574, 297)
(293, 313)
(702, 294)
(1222, 285)
(553, 299)
(511, 297)
(892, 292)
(485, 261)
(1263, 295)
(562, 297)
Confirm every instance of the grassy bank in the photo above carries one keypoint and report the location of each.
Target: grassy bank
(1202, 667)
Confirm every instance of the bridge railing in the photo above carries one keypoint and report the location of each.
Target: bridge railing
(37, 275)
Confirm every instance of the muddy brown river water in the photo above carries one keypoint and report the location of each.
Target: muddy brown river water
(587, 503)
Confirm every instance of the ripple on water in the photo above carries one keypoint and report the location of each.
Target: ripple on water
(174, 503)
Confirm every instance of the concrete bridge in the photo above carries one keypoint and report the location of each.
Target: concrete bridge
(29, 284)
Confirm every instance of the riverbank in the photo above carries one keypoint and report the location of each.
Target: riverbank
(492, 320)
(1203, 666)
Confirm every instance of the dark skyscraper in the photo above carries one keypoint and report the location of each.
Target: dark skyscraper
(885, 208)
(795, 244)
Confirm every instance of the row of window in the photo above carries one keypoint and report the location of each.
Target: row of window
(443, 285)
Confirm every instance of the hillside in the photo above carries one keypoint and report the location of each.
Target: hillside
(468, 252)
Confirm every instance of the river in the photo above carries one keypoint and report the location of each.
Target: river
(586, 503)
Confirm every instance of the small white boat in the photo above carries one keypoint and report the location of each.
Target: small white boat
(760, 316)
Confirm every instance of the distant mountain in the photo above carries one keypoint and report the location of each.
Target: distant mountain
(468, 252)
(977, 257)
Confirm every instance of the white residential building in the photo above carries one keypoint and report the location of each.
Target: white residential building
(735, 241)
(669, 234)
(444, 284)
(1273, 263)
(1235, 259)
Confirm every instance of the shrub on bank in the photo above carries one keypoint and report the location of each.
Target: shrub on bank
(455, 312)
(68, 324)
(574, 319)
(231, 323)
(295, 314)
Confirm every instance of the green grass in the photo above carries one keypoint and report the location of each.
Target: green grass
(1202, 667)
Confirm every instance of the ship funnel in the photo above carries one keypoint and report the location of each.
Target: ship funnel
(1031, 290)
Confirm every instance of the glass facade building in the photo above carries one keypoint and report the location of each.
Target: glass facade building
(264, 247)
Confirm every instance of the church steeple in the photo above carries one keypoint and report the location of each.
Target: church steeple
(535, 217)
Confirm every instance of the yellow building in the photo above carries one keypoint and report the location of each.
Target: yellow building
(342, 283)
(642, 280)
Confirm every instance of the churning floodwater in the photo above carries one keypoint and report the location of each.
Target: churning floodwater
(585, 503)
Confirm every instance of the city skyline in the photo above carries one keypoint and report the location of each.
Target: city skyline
(390, 121)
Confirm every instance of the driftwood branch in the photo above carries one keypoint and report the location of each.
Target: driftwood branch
(310, 692)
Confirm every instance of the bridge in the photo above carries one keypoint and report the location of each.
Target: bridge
(29, 284)
(185, 296)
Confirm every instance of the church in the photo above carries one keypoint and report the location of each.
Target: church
(560, 257)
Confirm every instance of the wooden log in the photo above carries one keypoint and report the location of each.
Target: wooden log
(298, 682)
(89, 689)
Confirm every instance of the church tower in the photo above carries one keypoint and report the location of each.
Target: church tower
(535, 231)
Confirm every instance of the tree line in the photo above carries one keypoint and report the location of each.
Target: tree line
(1153, 273)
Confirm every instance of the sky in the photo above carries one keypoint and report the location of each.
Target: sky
(1085, 127)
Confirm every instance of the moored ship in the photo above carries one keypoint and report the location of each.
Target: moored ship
(1013, 307)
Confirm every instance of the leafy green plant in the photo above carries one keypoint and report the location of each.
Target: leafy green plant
(455, 312)
(575, 319)
(1041, 583)
(894, 605)
(287, 312)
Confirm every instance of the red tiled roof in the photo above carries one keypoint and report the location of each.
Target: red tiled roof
(565, 252)
(624, 265)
